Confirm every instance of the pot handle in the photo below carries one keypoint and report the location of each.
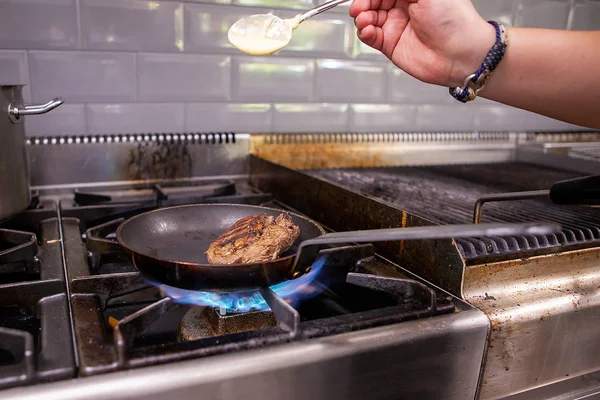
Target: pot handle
(16, 110)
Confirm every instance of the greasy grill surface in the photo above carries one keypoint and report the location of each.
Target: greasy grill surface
(447, 195)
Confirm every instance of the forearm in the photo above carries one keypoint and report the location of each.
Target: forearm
(553, 73)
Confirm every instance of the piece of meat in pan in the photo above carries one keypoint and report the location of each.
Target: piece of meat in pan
(254, 239)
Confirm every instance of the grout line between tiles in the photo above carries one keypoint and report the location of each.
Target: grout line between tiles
(185, 114)
(79, 24)
(86, 118)
(518, 11)
(571, 14)
(136, 78)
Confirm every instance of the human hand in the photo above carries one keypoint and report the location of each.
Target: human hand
(436, 41)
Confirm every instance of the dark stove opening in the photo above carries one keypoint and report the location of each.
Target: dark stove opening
(13, 273)
(162, 331)
(344, 299)
(7, 358)
(110, 264)
(21, 319)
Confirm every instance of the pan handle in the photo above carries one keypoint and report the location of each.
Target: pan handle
(578, 191)
(308, 250)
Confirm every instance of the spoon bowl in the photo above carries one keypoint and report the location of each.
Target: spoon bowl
(263, 34)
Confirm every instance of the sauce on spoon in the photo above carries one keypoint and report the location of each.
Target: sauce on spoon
(262, 34)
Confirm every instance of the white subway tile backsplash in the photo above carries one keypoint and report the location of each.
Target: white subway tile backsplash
(307, 117)
(206, 26)
(494, 117)
(383, 118)
(446, 118)
(329, 35)
(68, 119)
(265, 79)
(586, 15)
(502, 11)
(135, 118)
(138, 25)
(183, 77)
(167, 66)
(363, 52)
(403, 88)
(82, 76)
(224, 117)
(294, 4)
(13, 67)
(343, 80)
(38, 24)
(537, 122)
(552, 14)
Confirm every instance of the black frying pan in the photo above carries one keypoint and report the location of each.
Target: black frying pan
(168, 244)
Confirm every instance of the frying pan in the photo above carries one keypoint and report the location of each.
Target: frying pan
(167, 245)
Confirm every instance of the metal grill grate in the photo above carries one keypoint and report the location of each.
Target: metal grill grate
(588, 154)
(447, 194)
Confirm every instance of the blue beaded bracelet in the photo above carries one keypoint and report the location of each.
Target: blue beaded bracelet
(475, 83)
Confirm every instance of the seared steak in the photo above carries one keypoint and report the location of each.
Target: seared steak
(254, 239)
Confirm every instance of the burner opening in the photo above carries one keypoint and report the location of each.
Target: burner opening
(18, 272)
(109, 264)
(7, 358)
(343, 299)
(204, 322)
(21, 319)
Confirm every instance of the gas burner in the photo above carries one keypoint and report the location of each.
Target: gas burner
(293, 291)
(204, 322)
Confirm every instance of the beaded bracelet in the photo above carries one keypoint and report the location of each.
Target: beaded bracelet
(475, 83)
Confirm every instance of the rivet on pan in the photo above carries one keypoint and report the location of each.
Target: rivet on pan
(307, 270)
(295, 274)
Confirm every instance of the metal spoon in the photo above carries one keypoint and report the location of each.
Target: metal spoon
(262, 34)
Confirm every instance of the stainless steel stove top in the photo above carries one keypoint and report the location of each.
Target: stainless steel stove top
(122, 325)
(410, 320)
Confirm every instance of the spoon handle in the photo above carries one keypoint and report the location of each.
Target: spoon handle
(318, 10)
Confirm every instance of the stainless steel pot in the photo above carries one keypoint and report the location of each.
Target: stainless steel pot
(15, 195)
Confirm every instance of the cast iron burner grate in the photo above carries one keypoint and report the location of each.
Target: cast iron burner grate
(18, 256)
(122, 321)
(35, 330)
(156, 195)
(447, 195)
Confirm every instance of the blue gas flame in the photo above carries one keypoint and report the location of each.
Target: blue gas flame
(292, 291)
